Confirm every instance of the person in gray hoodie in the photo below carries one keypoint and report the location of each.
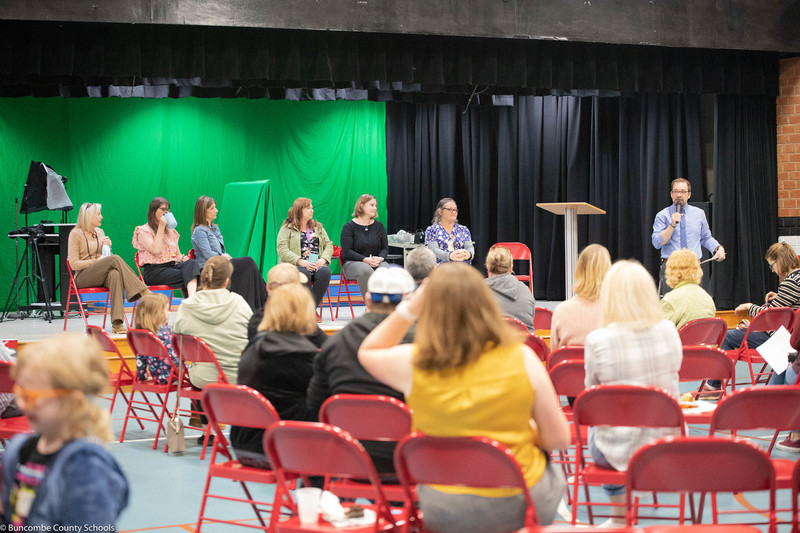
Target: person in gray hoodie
(513, 296)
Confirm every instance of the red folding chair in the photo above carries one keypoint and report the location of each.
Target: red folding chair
(565, 353)
(238, 405)
(568, 378)
(122, 378)
(539, 347)
(617, 405)
(701, 363)
(770, 319)
(795, 495)
(477, 462)
(703, 331)
(143, 342)
(190, 254)
(700, 464)
(153, 288)
(15, 425)
(520, 252)
(193, 350)
(312, 449)
(542, 318)
(367, 417)
(77, 293)
(517, 325)
(343, 283)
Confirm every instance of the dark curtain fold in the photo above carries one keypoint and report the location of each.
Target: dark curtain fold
(619, 154)
(745, 207)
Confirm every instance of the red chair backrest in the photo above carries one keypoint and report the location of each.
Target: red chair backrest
(519, 252)
(194, 350)
(478, 462)
(337, 251)
(701, 464)
(517, 325)
(6, 381)
(190, 254)
(794, 340)
(568, 377)
(703, 331)
(771, 319)
(758, 408)
(539, 347)
(143, 342)
(136, 262)
(367, 417)
(103, 339)
(237, 405)
(705, 362)
(565, 353)
(542, 318)
(627, 405)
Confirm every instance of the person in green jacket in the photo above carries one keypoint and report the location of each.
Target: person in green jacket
(303, 242)
(687, 300)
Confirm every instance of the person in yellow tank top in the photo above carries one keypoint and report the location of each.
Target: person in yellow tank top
(468, 374)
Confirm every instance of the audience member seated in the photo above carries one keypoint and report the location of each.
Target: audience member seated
(207, 242)
(687, 300)
(278, 364)
(160, 259)
(283, 274)
(446, 238)
(62, 474)
(219, 317)
(94, 269)
(573, 319)
(513, 296)
(636, 345)
(782, 260)
(336, 367)
(791, 443)
(303, 242)
(364, 242)
(419, 263)
(152, 314)
(467, 374)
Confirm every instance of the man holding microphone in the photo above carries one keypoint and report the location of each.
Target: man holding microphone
(682, 226)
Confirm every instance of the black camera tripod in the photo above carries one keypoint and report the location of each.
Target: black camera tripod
(28, 281)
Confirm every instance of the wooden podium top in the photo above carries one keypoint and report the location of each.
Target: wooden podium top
(582, 208)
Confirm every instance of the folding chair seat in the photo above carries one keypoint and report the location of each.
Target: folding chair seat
(476, 462)
(193, 350)
(77, 293)
(143, 342)
(313, 449)
(15, 425)
(617, 405)
(238, 405)
(124, 377)
(520, 252)
(702, 465)
(703, 332)
(769, 319)
(542, 318)
(367, 418)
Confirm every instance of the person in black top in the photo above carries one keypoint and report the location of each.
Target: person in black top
(364, 242)
(336, 366)
(278, 364)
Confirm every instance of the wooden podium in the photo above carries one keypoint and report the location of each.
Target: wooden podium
(571, 210)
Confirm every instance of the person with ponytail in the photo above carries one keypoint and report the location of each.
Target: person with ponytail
(514, 297)
(62, 475)
(217, 316)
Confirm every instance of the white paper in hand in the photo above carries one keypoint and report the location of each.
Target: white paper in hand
(776, 350)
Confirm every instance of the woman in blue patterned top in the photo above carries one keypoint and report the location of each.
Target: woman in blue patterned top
(449, 240)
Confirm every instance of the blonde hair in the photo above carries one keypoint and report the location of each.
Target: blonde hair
(499, 260)
(459, 320)
(629, 297)
(74, 362)
(683, 265)
(785, 258)
(216, 272)
(593, 263)
(85, 215)
(151, 312)
(363, 200)
(290, 309)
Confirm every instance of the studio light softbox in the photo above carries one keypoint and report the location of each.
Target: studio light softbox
(44, 189)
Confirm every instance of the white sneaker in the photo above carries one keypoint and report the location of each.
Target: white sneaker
(564, 511)
(611, 523)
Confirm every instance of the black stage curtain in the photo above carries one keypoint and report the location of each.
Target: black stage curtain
(43, 58)
(619, 154)
(745, 207)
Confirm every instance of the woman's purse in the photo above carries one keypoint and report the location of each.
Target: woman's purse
(176, 440)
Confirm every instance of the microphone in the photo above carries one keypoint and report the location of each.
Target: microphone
(679, 210)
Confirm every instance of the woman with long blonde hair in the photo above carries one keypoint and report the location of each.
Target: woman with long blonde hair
(468, 374)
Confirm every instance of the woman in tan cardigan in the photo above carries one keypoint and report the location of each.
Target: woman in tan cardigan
(93, 269)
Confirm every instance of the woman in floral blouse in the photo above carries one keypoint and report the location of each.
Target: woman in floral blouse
(449, 240)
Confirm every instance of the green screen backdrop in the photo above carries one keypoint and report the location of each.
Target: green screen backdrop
(123, 152)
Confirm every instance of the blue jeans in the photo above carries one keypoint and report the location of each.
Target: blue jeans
(733, 339)
(601, 461)
(787, 377)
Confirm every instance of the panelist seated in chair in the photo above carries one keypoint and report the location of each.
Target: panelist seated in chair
(160, 258)
(93, 269)
(447, 239)
(513, 296)
(365, 245)
(207, 242)
(687, 300)
(303, 242)
(472, 377)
